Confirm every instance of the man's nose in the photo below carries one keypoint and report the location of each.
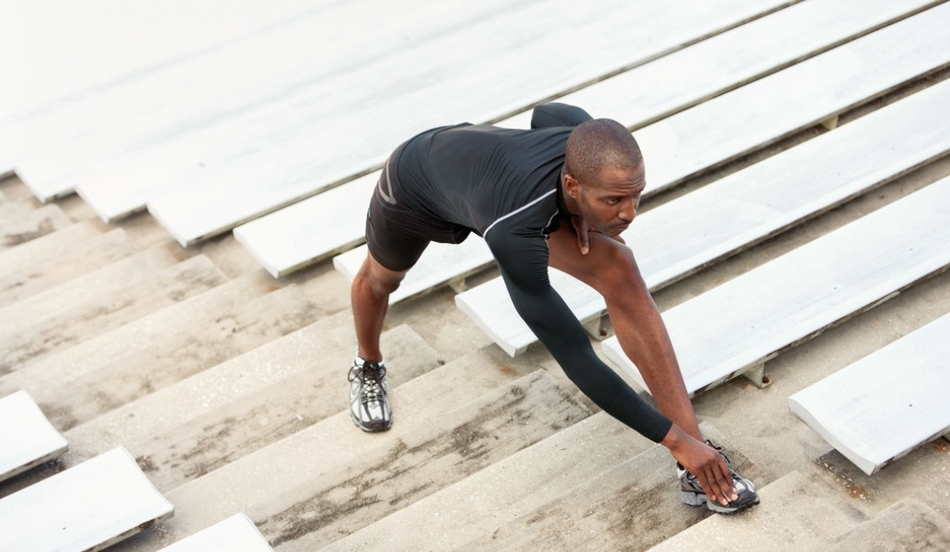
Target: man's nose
(628, 211)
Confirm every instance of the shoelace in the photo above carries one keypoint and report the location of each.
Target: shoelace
(717, 449)
(371, 377)
(721, 453)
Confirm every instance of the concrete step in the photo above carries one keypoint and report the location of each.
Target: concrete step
(445, 451)
(246, 403)
(812, 507)
(907, 525)
(97, 376)
(293, 467)
(16, 229)
(638, 497)
(100, 283)
(106, 309)
(504, 491)
(55, 258)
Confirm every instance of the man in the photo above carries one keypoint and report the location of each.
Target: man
(534, 195)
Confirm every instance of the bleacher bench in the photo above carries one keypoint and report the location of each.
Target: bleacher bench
(27, 438)
(685, 235)
(87, 507)
(235, 534)
(736, 327)
(887, 404)
(304, 232)
(440, 264)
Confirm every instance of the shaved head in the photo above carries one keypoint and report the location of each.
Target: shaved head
(597, 144)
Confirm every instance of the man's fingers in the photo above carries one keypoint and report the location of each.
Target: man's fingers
(720, 484)
(580, 228)
(706, 483)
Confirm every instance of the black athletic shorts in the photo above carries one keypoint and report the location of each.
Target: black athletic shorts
(398, 230)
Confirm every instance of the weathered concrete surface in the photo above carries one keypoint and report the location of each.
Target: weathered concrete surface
(906, 526)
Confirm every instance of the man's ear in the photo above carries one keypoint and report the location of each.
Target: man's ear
(571, 186)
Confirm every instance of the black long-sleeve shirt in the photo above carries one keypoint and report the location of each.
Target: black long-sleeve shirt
(504, 184)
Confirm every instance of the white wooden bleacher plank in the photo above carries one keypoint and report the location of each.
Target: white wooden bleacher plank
(724, 62)
(684, 235)
(311, 230)
(461, 78)
(286, 59)
(59, 50)
(27, 438)
(61, 109)
(886, 404)
(234, 534)
(754, 317)
(441, 263)
(67, 98)
(644, 94)
(233, 114)
(87, 507)
(803, 95)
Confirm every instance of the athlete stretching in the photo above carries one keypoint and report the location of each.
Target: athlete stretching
(533, 195)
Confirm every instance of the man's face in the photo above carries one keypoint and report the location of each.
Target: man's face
(610, 202)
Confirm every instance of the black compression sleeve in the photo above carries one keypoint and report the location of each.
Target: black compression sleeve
(558, 114)
(523, 264)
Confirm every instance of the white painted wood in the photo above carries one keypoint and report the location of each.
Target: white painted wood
(235, 534)
(754, 317)
(60, 52)
(885, 405)
(480, 73)
(490, 307)
(440, 264)
(724, 62)
(294, 74)
(88, 507)
(311, 230)
(685, 235)
(27, 439)
(642, 95)
(803, 95)
(131, 60)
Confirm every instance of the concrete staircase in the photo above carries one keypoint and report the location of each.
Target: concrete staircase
(228, 388)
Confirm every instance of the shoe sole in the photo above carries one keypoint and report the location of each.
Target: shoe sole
(697, 499)
(366, 429)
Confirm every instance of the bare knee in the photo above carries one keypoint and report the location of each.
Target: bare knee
(377, 279)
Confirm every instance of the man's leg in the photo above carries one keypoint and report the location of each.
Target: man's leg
(369, 294)
(369, 393)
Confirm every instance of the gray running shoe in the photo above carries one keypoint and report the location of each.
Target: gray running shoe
(369, 399)
(691, 492)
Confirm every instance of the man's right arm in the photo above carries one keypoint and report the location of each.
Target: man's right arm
(523, 264)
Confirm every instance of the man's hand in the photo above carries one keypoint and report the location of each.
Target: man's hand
(705, 463)
(581, 229)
